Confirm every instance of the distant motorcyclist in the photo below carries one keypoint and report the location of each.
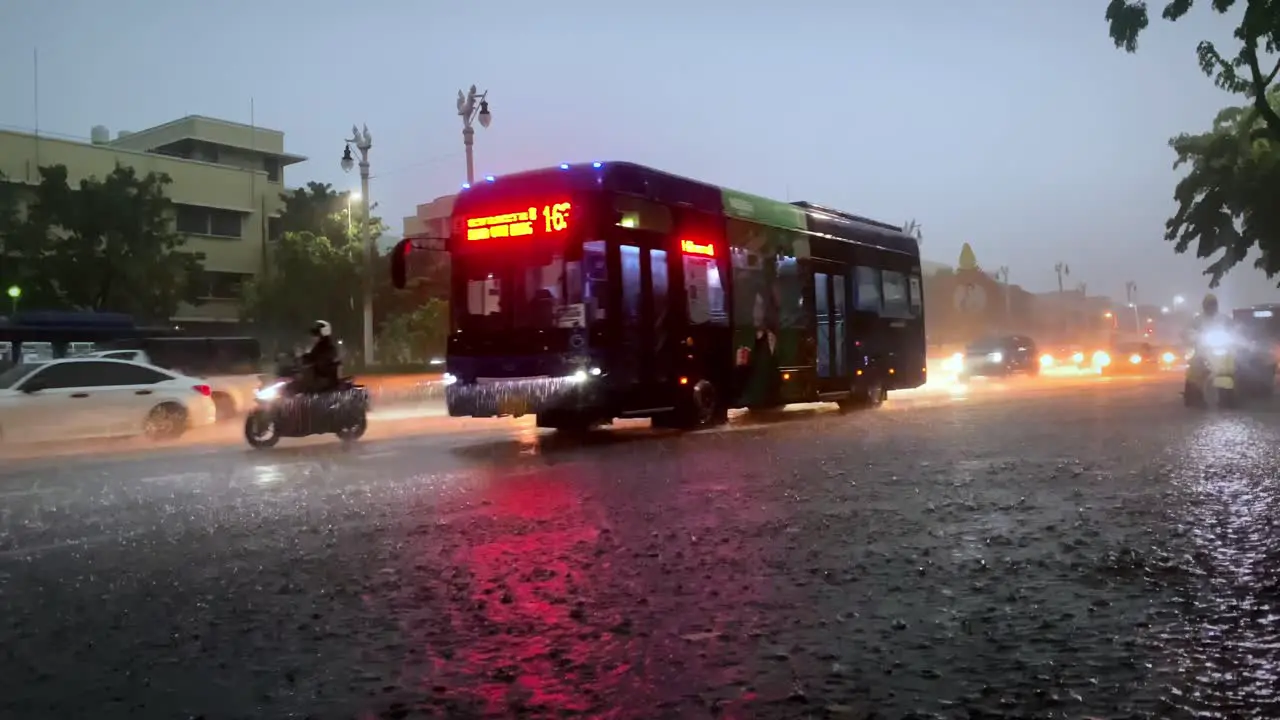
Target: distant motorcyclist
(1209, 315)
(321, 362)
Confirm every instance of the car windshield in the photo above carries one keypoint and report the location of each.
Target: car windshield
(10, 377)
(988, 345)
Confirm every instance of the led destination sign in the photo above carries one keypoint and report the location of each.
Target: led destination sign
(552, 218)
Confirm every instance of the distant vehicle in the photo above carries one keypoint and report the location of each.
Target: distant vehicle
(583, 293)
(1001, 356)
(77, 398)
(230, 365)
(1136, 358)
(1258, 350)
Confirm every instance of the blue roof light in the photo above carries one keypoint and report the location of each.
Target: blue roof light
(597, 164)
(564, 166)
(488, 178)
(466, 186)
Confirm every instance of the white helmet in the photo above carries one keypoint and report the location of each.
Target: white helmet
(321, 329)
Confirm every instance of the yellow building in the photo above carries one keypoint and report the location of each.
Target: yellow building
(227, 181)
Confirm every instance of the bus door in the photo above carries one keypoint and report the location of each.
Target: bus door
(829, 292)
(644, 347)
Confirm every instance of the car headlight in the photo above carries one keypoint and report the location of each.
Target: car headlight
(1101, 359)
(995, 356)
(1077, 358)
(1046, 360)
(270, 392)
(1168, 358)
(1135, 358)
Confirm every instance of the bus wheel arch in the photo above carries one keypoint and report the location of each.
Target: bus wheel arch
(698, 406)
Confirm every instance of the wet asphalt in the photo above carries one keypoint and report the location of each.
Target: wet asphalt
(1081, 548)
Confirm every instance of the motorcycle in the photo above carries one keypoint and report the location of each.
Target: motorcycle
(285, 410)
(1211, 373)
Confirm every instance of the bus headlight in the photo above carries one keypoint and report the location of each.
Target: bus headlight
(1135, 358)
(1101, 359)
(995, 356)
(448, 379)
(1046, 361)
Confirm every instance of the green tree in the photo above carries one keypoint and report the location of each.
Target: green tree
(415, 336)
(1227, 201)
(319, 210)
(311, 278)
(1244, 73)
(106, 245)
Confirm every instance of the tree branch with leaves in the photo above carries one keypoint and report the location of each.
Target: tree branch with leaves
(1243, 73)
(1229, 200)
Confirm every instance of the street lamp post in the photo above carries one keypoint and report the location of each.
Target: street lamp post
(1002, 274)
(15, 293)
(351, 196)
(1131, 293)
(472, 106)
(363, 142)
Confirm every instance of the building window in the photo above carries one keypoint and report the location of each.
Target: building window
(274, 228)
(272, 166)
(217, 285)
(196, 220)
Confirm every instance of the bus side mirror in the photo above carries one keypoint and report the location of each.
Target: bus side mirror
(398, 263)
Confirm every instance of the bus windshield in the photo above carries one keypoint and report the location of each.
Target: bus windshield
(532, 290)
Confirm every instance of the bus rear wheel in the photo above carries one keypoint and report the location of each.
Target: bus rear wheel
(698, 407)
(866, 394)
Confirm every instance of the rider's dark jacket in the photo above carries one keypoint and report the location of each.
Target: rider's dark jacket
(323, 362)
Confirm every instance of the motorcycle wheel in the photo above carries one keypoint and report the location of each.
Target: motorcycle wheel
(259, 431)
(1192, 395)
(354, 431)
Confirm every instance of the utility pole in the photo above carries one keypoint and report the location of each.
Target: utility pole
(1131, 294)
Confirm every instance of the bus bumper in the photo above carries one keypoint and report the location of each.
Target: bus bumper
(517, 397)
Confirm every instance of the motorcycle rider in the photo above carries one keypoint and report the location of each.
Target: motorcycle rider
(322, 362)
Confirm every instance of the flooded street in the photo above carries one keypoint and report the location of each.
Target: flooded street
(1082, 549)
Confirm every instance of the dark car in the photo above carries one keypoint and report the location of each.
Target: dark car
(1001, 356)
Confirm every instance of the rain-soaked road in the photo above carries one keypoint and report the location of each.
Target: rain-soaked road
(1089, 549)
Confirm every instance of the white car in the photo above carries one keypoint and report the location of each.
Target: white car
(95, 397)
(232, 394)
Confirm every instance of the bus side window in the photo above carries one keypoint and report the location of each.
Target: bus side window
(917, 295)
(896, 302)
(704, 291)
(867, 290)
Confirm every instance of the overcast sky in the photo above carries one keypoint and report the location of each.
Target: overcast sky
(1010, 124)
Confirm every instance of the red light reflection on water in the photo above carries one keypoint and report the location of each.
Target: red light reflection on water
(631, 603)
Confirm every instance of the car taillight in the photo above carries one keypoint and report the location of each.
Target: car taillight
(204, 390)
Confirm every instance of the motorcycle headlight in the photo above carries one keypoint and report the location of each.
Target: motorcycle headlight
(270, 392)
(995, 356)
(1217, 339)
(1046, 360)
(1101, 359)
(1077, 358)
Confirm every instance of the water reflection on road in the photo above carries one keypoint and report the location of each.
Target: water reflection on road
(1227, 645)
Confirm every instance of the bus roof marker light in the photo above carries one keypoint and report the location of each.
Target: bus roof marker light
(489, 178)
(597, 164)
(466, 186)
(564, 166)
